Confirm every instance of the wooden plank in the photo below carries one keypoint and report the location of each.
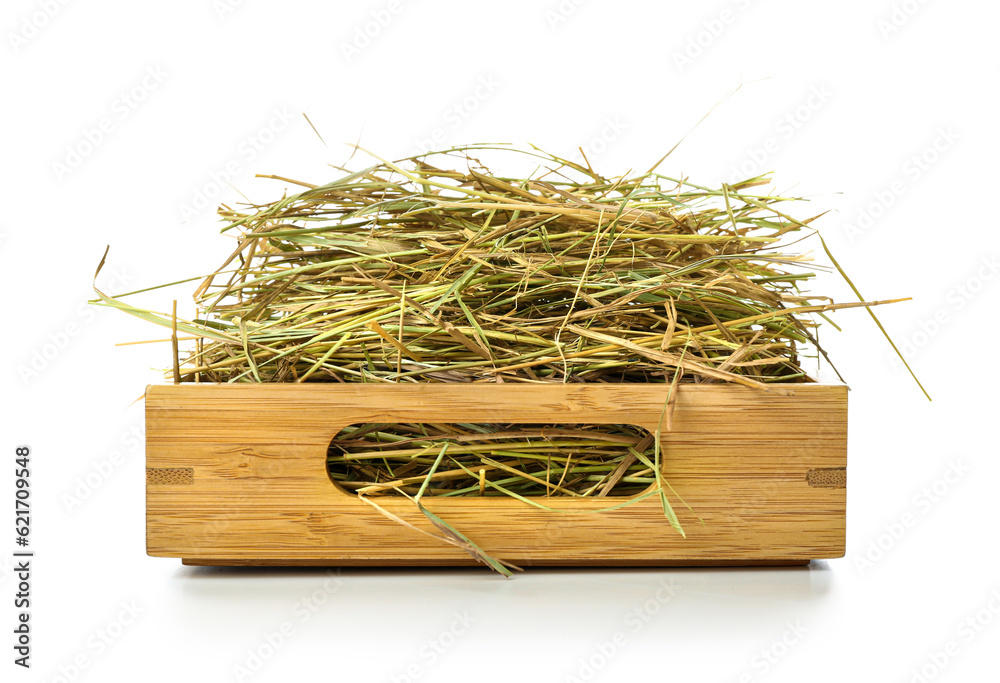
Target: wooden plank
(259, 492)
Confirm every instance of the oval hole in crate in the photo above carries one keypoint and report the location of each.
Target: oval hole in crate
(568, 460)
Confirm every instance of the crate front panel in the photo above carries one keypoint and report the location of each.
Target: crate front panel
(237, 474)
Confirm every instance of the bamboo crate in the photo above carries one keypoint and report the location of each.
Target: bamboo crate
(236, 475)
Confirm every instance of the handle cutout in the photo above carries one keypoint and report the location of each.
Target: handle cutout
(490, 459)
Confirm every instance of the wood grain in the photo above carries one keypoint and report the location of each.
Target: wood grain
(259, 492)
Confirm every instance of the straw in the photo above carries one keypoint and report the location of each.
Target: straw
(410, 272)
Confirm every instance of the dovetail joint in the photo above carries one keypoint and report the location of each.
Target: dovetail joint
(828, 477)
(160, 476)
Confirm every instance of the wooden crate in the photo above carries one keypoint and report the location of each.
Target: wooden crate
(236, 475)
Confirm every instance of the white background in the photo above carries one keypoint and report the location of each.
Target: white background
(873, 109)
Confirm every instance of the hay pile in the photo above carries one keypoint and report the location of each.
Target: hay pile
(410, 272)
(435, 269)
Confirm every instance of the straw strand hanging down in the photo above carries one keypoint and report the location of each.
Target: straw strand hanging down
(410, 272)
